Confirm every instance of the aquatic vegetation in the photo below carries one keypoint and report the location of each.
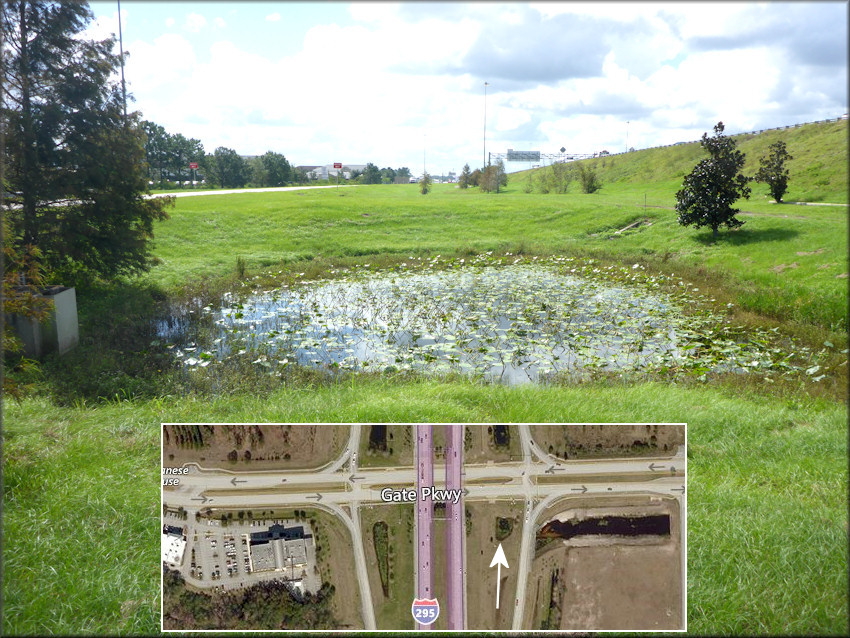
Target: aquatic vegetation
(508, 319)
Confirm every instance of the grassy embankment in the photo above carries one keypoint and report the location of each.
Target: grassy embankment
(767, 473)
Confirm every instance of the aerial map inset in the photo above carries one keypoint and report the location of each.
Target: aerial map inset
(401, 526)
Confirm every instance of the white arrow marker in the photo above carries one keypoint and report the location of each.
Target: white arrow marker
(499, 559)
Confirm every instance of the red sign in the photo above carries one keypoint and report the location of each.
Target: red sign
(337, 164)
(193, 165)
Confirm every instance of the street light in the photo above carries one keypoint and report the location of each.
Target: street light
(627, 136)
(484, 158)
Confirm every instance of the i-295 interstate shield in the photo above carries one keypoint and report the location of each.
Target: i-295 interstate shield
(425, 610)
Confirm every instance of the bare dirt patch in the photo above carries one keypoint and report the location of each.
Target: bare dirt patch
(591, 440)
(804, 253)
(612, 583)
(253, 446)
(780, 267)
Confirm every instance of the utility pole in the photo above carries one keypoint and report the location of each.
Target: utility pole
(484, 154)
(121, 49)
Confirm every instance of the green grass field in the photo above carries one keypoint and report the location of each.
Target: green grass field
(767, 520)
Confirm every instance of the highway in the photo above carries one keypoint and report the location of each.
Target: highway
(424, 514)
(341, 487)
(455, 529)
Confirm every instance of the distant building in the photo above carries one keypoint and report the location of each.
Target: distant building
(327, 171)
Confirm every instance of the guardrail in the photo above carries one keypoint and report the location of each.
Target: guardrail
(775, 128)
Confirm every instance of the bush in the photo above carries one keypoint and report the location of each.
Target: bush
(590, 182)
(425, 184)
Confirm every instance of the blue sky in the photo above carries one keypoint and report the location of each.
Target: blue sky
(383, 82)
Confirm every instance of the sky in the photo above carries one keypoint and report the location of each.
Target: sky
(403, 84)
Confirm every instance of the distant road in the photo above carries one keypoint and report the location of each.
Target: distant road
(235, 191)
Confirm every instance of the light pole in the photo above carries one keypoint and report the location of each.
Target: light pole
(121, 50)
(484, 157)
(627, 136)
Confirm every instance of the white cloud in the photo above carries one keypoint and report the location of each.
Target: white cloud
(195, 22)
(373, 11)
(169, 22)
(368, 91)
(220, 23)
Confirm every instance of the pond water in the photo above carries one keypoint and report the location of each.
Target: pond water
(510, 324)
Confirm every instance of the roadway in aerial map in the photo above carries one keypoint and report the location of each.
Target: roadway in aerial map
(426, 526)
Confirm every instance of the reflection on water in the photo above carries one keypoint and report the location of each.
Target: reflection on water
(512, 324)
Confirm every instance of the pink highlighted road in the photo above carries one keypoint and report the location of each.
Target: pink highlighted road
(424, 513)
(456, 527)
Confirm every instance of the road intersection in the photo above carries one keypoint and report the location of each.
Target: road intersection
(341, 488)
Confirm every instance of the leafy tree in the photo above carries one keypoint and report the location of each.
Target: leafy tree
(493, 178)
(182, 151)
(403, 172)
(259, 175)
(387, 175)
(475, 177)
(590, 182)
(278, 169)
(76, 173)
(709, 191)
(156, 149)
(465, 177)
(371, 174)
(227, 168)
(560, 177)
(168, 156)
(299, 175)
(425, 184)
(772, 170)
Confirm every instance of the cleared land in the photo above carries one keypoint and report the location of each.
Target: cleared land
(608, 582)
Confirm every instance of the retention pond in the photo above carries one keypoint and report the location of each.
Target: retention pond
(515, 323)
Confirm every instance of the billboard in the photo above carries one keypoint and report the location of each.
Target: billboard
(523, 156)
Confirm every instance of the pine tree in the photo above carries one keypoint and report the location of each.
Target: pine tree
(465, 177)
(75, 169)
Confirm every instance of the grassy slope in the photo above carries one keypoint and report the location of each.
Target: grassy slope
(768, 476)
(818, 172)
(205, 235)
